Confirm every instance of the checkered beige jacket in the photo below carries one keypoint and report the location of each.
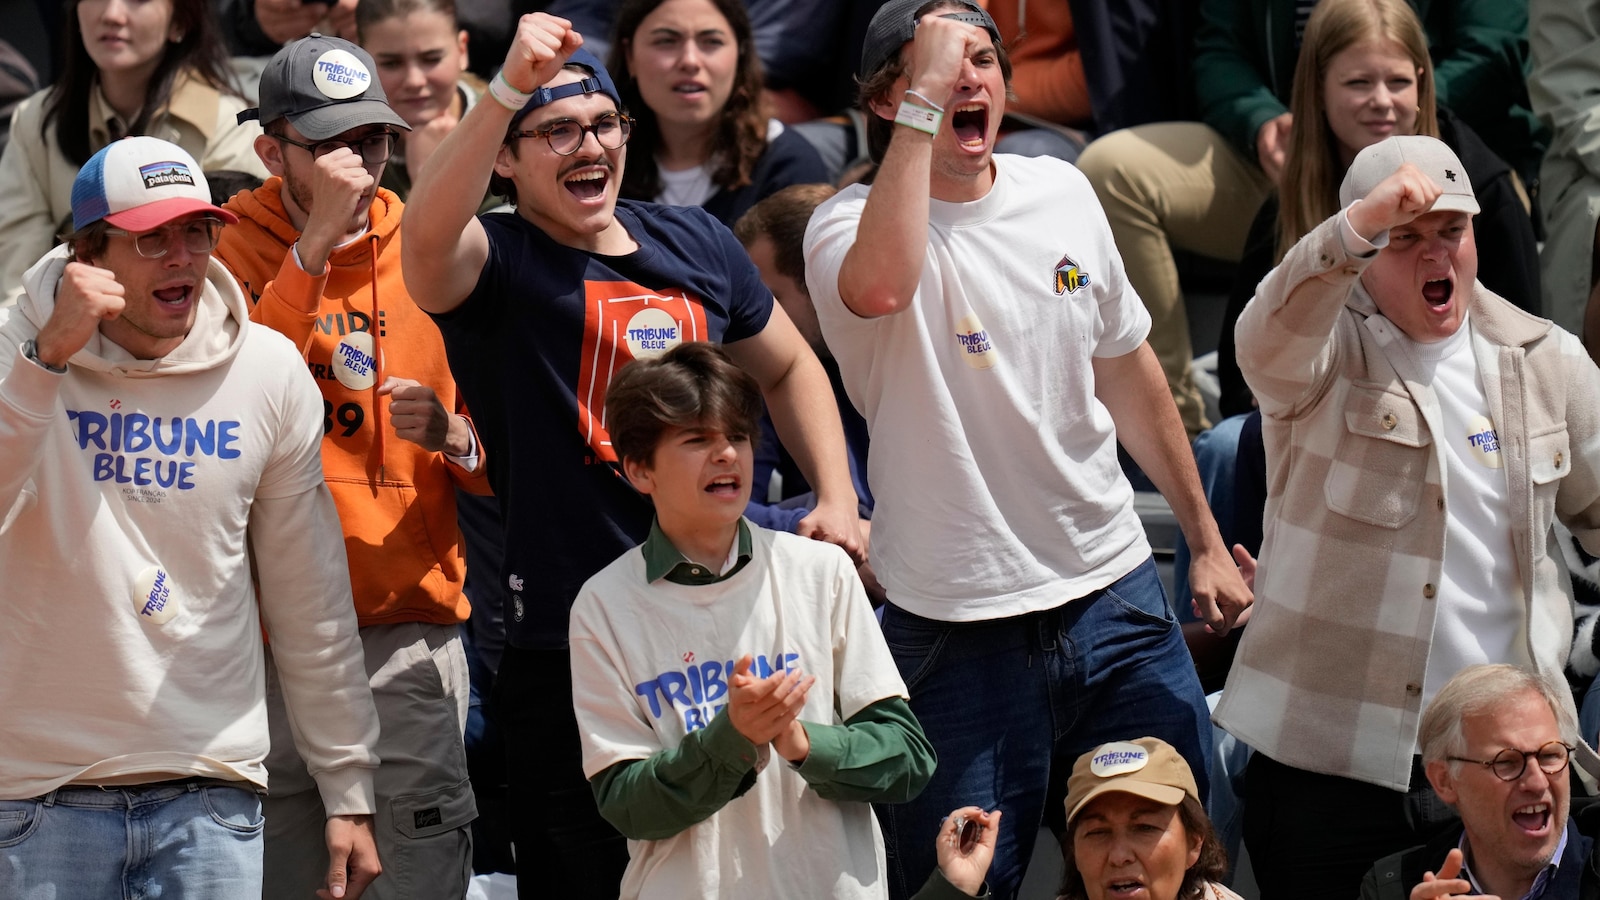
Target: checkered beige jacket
(1329, 675)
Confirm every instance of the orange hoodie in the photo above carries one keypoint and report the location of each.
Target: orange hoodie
(396, 500)
(1047, 68)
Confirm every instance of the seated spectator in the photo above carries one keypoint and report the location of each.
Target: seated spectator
(421, 52)
(154, 68)
(689, 75)
(674, 732)
(1422, 434)
(1565, 90)
(1134, 822)
(1497, 741)
(1197, 185)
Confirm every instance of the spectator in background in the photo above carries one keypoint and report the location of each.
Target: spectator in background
(772, 233)
(689, 75)
(151, 67)
(1565, 88)
(421, 53)
(1198, 185)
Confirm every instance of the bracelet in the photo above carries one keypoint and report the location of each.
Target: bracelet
(921, 118)
(925, 101)
(506, 95)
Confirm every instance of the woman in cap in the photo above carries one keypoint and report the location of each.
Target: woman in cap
(1136, 830)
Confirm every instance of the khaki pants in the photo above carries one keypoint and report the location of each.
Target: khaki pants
(1165, 184)
(425, 807)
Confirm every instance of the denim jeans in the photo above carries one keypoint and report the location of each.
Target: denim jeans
(191, 839)
(1010, 704)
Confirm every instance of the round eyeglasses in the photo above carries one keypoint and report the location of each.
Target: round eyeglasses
(1509, 764)
(565, 136)
(374, 149)
(198, 236)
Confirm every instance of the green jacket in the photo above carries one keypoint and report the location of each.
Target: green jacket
(1245, 56)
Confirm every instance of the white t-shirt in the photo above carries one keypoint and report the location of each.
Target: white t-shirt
(1480, 603)
(650, 663)
(993, 464)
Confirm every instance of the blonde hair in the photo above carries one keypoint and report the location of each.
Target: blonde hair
(1312, 169)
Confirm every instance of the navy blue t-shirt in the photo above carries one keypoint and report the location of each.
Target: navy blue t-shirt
(533, 349)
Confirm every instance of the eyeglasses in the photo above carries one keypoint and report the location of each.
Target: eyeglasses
(374, 149)
(198, 235)
(565, 136)
(1509, 764)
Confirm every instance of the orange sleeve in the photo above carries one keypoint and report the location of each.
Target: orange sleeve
(291, 301)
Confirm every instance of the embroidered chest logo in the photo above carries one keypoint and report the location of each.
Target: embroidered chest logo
(1069, 277)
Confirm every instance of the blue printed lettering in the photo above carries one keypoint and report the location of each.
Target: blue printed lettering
(647, 690)
(711, 678)
(695, 687)
(91, 428)
(136, 428)
(116, 432)
(197, 437)
(692, 720)
(672, 687)
(169, 448)
(227, 436)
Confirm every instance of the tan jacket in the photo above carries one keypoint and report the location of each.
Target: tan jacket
(36, 178)
(1329, 675)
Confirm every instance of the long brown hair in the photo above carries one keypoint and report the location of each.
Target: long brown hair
(741, 133)
(1312, 169)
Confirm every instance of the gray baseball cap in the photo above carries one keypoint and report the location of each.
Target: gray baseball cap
(1431, 155)
(324, 86)
(896, 23)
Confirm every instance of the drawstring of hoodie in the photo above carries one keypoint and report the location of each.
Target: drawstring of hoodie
(377, 358)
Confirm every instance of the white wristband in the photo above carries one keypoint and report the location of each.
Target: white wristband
(506, 95)
(921, 118)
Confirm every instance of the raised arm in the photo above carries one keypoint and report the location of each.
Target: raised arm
(880, 272)
(445, 247)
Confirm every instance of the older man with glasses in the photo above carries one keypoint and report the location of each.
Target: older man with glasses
(318, 249)
(1496, 743)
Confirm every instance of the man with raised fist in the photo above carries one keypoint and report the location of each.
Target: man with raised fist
(157, 450)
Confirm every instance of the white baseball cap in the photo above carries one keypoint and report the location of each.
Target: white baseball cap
(1431, 155)
(140, 183)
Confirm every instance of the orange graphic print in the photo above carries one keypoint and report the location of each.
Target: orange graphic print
(623, 321)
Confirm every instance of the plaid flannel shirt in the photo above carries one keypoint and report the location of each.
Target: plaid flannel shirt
(1329, 675)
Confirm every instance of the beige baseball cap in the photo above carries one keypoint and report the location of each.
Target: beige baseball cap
(1147, 767)
(1431, 155)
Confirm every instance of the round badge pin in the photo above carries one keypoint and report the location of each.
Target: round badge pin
(1117, 758)
(652, 332)
(339, 75)
(355, 363)
(154, 598)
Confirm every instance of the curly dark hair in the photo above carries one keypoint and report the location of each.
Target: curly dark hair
(741, 136)
(1211, 866)
(200, 53)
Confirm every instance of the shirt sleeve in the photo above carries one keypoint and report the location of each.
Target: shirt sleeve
(879, 755)
(671, 790)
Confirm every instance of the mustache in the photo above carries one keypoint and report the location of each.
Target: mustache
(586, 163)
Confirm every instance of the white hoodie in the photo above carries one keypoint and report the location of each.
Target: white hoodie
(130, 646)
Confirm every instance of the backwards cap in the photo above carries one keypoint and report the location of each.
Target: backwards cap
(141, 183)
(324, 86)
(895, 23)
(599, 81)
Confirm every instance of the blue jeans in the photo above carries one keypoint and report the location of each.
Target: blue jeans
(189, 839)
(1010, 704)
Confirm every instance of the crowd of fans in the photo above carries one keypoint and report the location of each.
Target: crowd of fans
(731, 416)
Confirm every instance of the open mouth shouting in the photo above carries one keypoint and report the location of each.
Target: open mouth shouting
(1126, 889)
(724, 486)
(1533, 819)
(176, 297)
(970, 124)
(588, 182)
(1438, 291)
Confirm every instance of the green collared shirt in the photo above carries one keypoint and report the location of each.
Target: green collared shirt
(663, 560)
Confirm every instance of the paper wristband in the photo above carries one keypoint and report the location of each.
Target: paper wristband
(506, 95)
(922, 119)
